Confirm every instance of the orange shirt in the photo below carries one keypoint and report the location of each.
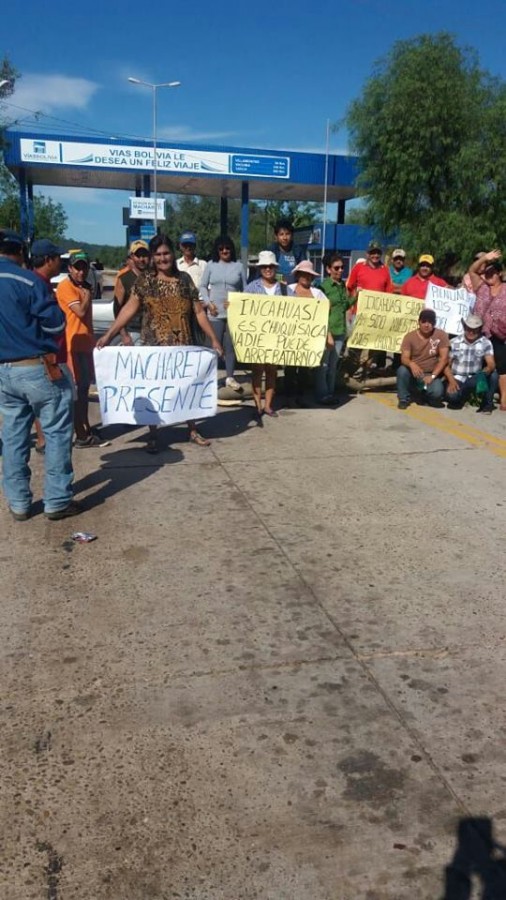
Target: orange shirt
(78, 332)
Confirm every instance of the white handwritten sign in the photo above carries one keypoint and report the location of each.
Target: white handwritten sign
(156, 385)
(451, 305)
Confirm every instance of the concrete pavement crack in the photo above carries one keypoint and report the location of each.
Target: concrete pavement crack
(360, 660)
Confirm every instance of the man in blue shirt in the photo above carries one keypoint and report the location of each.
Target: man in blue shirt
(32, 385)
(399, 271)
(287, 256)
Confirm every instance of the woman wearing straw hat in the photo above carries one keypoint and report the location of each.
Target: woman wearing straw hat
(297, 377)
(266, 284)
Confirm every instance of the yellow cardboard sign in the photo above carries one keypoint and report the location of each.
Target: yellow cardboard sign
(383, 319)
(282, 331)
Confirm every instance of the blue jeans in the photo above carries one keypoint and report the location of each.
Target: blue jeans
(26, 393)
(467, 387)
(406, 383)
(326, 374)
(222, 333)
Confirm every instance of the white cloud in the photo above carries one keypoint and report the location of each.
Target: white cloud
(47, 93)
(186, 133)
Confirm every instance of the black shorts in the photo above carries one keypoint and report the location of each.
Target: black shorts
(499, 355)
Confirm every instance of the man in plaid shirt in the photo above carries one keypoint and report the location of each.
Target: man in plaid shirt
(471, 367)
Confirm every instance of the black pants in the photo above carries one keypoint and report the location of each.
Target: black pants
(297, 379)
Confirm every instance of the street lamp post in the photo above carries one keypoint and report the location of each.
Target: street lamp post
(154, 88)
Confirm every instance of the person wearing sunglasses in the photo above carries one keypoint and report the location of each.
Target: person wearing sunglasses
(222, 274)
(340, 301)
(485, 274)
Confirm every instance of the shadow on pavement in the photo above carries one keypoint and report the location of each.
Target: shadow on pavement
(478, 861)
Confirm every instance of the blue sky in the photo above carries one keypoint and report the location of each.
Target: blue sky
(261, 75)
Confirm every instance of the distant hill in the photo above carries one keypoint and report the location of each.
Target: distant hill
(111, 257)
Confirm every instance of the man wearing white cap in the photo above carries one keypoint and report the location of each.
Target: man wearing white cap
(399, 271)
(189, 262)
(471, 368)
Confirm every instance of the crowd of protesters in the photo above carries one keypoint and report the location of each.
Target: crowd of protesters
(47, 341)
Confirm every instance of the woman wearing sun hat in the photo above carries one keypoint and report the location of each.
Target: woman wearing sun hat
(297, 377)
(267, 284)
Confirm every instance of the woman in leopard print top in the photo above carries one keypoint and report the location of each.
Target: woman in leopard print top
(167, 300)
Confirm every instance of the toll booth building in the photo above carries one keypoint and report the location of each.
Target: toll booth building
(224, 172)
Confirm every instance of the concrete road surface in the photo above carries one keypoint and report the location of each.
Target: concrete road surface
(278, 673)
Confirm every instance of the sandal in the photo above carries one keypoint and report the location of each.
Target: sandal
(272, 413)
(40, 448)
(196, 438)
(152, 446)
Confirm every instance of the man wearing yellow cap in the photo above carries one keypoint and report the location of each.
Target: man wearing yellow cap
(417, 285)
(138, 260)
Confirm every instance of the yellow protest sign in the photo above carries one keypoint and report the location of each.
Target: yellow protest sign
(283, 331)
(383, 319)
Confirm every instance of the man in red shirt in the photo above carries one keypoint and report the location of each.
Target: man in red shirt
(372, 275)
(417, 285)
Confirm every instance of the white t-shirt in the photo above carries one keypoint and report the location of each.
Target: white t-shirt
(195, 269)
(316, 292)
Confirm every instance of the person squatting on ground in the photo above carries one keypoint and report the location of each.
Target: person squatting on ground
(32, 385)
(424, 357)
(221, 275)
(167, 300)
(465, 373)
(267, 283)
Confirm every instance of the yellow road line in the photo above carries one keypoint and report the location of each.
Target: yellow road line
(439, 419)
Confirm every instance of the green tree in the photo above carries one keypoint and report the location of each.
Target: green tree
(50, 219)
(430, 129)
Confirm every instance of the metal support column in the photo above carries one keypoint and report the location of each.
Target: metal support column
(23, 207)
(223, 215)
(244, 225)
(31, 212)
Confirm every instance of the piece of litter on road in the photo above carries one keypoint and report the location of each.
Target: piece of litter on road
(83, 537)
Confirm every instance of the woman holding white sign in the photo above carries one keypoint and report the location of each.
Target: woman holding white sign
(167, 300)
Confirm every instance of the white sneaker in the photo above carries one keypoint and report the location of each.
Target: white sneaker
(232, 383)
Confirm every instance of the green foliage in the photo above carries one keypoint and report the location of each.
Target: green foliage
(430, 129)
(202, 215)
(110, 256)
